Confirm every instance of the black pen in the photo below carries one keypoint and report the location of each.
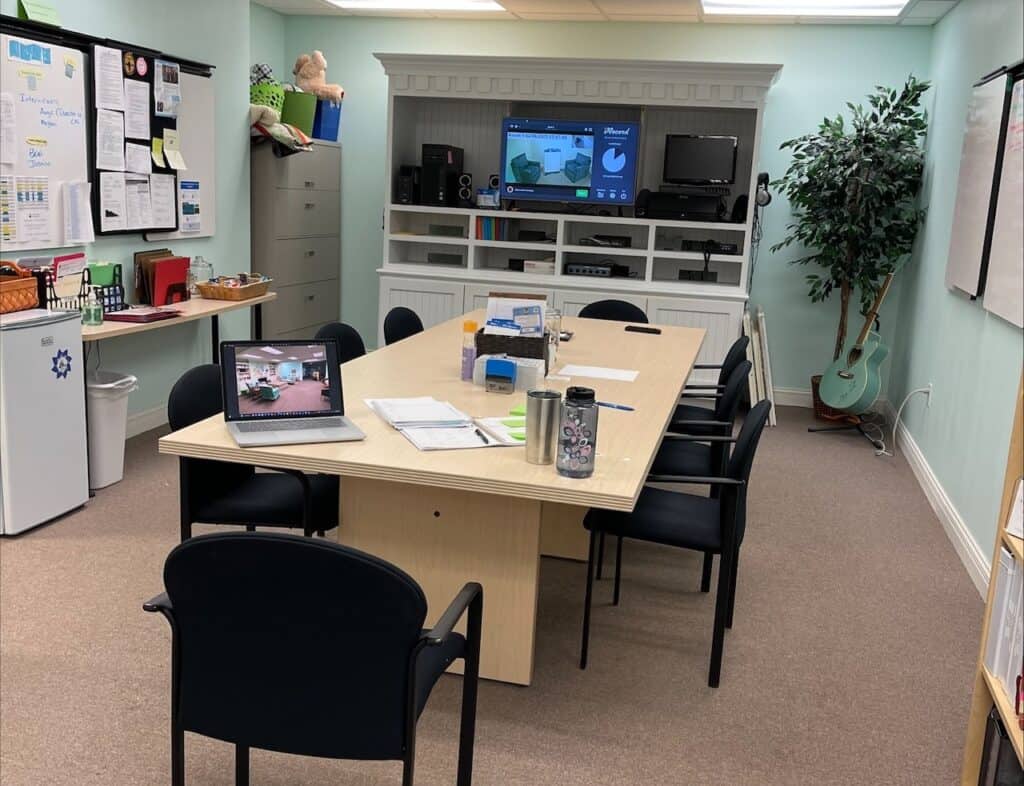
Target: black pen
(480, 434)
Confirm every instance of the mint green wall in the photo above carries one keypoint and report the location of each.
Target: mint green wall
(266, 41)
(824, 66)
(972, 358)
(198, 30)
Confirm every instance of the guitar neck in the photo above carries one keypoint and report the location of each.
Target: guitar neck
(869, 318)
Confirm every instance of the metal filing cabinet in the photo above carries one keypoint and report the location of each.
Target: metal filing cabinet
(296, 236)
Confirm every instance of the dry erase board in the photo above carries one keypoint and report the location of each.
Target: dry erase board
(975, 195)
(197, 130)
(43, 143)
(1004, 295)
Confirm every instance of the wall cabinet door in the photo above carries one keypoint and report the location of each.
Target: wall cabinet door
(721, 319)
(476, 294)
(433, 301)
(571, 301)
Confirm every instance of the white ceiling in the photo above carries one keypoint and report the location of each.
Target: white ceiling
(917, 12)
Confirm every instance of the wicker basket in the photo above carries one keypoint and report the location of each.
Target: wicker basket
(823, 411)
(18, 289)
(216, 290)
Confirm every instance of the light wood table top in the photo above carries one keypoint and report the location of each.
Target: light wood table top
(428, 365)
(192, 309)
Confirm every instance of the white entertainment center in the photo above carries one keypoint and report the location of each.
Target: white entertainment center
(435, 261)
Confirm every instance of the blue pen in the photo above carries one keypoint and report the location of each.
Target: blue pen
(610, 405)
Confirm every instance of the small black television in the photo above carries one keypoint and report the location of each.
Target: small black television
(695, 160)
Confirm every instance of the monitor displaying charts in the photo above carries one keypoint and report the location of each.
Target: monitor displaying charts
(569, 161)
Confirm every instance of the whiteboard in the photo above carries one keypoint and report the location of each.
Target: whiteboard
(974, 189)
(46, 143)
(1004, 295)
(197, 131)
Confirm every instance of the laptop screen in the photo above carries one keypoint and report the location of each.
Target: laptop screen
(280, 379)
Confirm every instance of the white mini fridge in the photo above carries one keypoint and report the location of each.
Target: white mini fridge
(43, 461)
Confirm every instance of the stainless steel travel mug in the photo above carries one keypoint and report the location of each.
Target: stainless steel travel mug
(542, 412)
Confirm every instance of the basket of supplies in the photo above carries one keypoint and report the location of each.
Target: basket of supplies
(234, 288)
(18, 288)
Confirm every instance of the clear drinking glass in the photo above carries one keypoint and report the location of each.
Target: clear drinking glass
(553, 328)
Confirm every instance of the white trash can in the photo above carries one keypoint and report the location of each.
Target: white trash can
(107, 404)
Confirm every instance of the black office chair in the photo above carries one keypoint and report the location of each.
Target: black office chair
(218, 492)
(350, 343)
(689, 412)
(401, 322)
(709, 524)
(253, 618)
(616, 310)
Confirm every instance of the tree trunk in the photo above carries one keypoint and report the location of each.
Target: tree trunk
(844, 308)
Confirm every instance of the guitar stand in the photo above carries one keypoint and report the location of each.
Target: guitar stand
(855, 423)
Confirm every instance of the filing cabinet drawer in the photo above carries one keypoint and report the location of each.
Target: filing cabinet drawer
(319, 170)
(300, 260)
(305, 213)
(316, 303)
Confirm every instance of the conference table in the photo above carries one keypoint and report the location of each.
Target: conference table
(452, 516)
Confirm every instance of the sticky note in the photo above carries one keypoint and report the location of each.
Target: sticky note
(514, 422)
(519, 410)
(158, 152)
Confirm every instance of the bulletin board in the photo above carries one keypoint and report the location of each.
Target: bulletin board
(43, 144)
(198, 132)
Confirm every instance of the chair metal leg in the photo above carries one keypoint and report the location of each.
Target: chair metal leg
(407, 766)
(250, 527)
(320, 532)
(705, 577)
(721, 612)
(241, 765)
(183, 506)
(732, 587)
(588, 600)
(600, 556)
(618, 571)
(177, 756)
(470, 682)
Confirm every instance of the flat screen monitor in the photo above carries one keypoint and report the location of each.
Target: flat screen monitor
(699, 160)
(569, 161)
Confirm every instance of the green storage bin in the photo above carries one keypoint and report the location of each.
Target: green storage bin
(299, 111)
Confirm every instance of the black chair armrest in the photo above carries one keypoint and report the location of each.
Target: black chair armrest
(160, 603)
(695, 438)
(709, 394)
(714, 423)
(708, 365)
(703, 387)
(469, 595)
(694, 479)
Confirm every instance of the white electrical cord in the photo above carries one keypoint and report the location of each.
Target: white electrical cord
(896, 422)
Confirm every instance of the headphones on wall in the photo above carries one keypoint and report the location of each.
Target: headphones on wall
(762, 196)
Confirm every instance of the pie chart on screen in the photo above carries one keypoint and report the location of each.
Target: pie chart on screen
(613, 160)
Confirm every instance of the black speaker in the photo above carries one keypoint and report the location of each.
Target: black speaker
(407, 185)
(465, 190)
(494, 182)
(439, 180)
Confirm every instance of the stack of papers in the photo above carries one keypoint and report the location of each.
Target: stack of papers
(515, 316)
(421, 412)
(475, 435)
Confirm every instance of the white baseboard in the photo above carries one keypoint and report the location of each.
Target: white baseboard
(147, 420)
(793, 397)
(971, 555)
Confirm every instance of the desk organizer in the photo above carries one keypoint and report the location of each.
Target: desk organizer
(220, 290)
(513, 346)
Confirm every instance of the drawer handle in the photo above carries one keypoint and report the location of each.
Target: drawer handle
(310, 205)
(310, 184)
(311, 253)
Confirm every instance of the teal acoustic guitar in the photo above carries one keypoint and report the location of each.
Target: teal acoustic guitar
(852, 383)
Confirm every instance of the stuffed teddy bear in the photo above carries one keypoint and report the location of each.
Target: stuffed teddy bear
(309, 73)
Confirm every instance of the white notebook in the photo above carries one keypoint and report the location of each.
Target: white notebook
(480, 433)
(421, 412)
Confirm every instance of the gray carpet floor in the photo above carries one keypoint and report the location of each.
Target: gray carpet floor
(850, 661)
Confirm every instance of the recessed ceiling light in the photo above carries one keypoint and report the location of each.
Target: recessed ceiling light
(271, 350)
(417, 5)
(879, 8)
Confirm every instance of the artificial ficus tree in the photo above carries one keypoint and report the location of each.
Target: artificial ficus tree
(853, 193)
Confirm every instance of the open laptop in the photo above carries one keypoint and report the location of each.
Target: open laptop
(284, 393)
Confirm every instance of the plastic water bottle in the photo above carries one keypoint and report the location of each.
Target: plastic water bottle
(577, 434)
(469, 328)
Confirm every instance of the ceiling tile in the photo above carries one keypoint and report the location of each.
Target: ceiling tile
(592, 16)
(546, 6)
(651, 18)
(929, 9)
(649, 7)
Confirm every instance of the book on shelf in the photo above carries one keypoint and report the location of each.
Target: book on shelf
(1004, 649)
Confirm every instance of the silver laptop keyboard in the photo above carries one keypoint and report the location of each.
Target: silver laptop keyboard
(290, 425)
